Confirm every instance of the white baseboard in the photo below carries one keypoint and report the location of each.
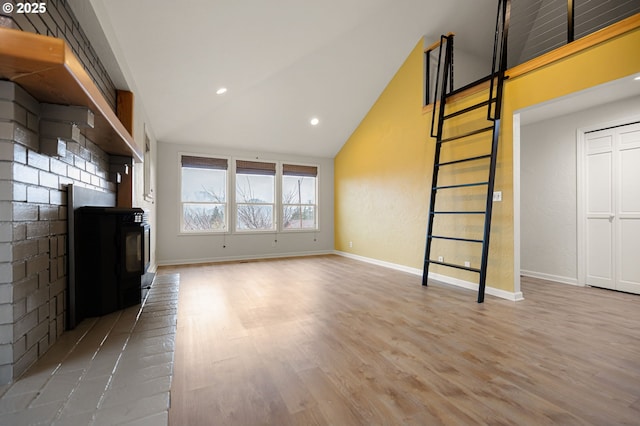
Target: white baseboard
(551, 277)
(503, 294)
(414, 271)
(176, 262)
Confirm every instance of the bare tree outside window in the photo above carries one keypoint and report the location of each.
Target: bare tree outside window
(254, 202)
(205, 207)
(204, 203)
(298, 202)
(203, 217)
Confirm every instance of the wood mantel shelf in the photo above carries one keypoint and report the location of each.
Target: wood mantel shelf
(49, 71)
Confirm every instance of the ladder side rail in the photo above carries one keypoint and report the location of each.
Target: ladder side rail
(432, 201)
(488, 211)
(427, 77)
(506, 12)
(450, 42)
(437, 85)
(494, 60)
(436, 168)
(506, 16)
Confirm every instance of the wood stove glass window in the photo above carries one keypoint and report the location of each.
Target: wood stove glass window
(203, 194)
(133, 251)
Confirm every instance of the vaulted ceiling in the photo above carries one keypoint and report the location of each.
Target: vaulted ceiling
(282, 61)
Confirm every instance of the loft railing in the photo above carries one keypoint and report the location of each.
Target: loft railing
(537, 27)
(434, 69)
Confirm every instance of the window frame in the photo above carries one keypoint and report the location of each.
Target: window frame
(275, 217)
(227, 202)
(147, 172)
(231, 202)
(301, 205)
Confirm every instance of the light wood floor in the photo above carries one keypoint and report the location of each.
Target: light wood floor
(332, 341)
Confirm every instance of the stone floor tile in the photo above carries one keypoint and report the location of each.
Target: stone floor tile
(115, 369)
(134, 361)
(86, 396)
(75, 419)
(11, 404)
(139, 375)
(122, 395)
(153, 420)
(58, 388)
(40, 415)
(132, 410)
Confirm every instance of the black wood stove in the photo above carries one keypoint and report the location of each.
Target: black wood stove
(112, 254)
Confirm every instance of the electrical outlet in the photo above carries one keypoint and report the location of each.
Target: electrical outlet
(467, 264)
(497, 196)
(350, 244)
(440, 259)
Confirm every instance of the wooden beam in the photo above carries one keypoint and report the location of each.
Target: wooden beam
(124, 109)
(49, 71)
(124, 167)
(437, 43)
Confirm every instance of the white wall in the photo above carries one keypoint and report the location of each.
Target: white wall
(173, 248)
(140, 127)
(548, 189)
(468, 68)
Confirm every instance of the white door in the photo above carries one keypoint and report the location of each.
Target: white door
(628, 210)
(613, 208)
(599, 208)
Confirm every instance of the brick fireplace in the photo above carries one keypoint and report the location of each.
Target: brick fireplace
(33, 228)
(46, 60)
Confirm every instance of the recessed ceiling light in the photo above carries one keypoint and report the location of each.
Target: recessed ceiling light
(314, 121)
(637, 78)
(221, 91)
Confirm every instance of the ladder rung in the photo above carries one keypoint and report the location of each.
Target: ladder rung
(469, 212)
(462, 185)
(468, 240)
(464, 135)
(469, 109)
(451, 265)
(463, 160)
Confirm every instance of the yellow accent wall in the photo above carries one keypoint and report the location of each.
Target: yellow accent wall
(383, 172)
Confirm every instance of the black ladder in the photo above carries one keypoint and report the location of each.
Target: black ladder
(480, 131)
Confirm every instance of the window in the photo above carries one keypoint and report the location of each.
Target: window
(203, 194)
(299, 200)
(255, 196)
(270, 196)
(148, 189)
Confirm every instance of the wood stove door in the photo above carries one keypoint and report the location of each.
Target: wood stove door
(132, 264)
(133, 249)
